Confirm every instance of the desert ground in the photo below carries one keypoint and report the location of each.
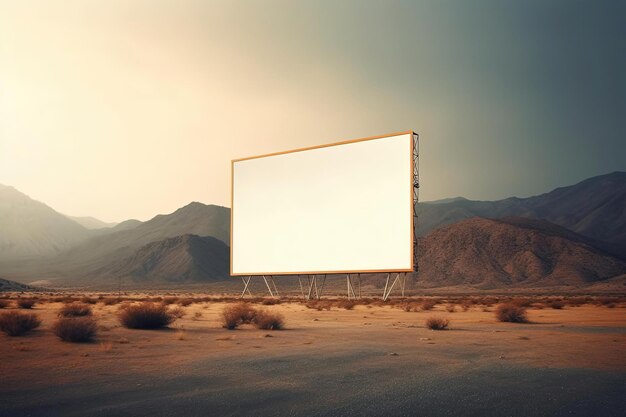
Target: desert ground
(370, 359)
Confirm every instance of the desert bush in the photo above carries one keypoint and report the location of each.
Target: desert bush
(450, 308)
(146, 315)
(75, 310)
(109, 301)
(75, 329)
(512, 313)
(170, 300)
(177, 312)
(268, 320)
(89, 300)
(270, 301)
(465, 305)
(26, 303)
(556, 304)
(437, 323)
(15, 323)
(237, 314)
(428, 304)
(346, 304)
(4, 303)
(185, 302)
(522, 302)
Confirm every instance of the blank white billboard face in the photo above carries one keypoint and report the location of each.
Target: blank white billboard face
(332, 209)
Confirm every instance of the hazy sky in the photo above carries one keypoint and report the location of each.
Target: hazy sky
(126, 109)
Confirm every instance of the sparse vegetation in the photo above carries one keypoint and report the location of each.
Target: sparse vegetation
(26, 303)
(437, 323)
(268, 320)
(450, 308)
(75, 310)
(428, 304)
(4, 303)
(177, 312)
(185, 302)
(16, 323)
(346, 304)
(75, 329)
(110, 301)
(146, 315)
(511, 313)
(237, 314)
(557, 304)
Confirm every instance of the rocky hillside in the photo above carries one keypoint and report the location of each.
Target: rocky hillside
(12, 286)
(187, 258)
(594, 208)
(512, 252)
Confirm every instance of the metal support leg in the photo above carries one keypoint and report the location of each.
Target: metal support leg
(388, 291)
(246, 283)
(268, 286)
(301, 287)
(322, 287)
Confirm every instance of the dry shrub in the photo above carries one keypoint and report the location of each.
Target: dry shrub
(170, 300)
(185, 302)
(75, 329)
(408, 307)
(16, 323)
(235, 315)
(146, 315)
(267, 320)
(511, 313)
(177, 312)
(270, 301)
(4, 303)
(428, 304)
(346, 304)
(110, 301)
(437, 323)
(319, 305)
(450, 308)
(26, 303)
(465, 305)
(197, 315)
(89, 300)
(75, 310)
(522, 302)
(557, 304)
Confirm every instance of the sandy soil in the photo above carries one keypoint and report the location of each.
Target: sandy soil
(367, 361)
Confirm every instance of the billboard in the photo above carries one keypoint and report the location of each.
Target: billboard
(345, 207)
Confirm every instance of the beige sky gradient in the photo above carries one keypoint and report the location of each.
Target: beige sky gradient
(127, 109)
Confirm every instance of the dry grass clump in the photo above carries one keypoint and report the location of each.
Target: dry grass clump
(16, 323)
(4, 303)
(146, 315)
(177, 312)
(270, 301)
(511, 313)
(185, 302)
(75, 310)
(75, 329)
(450, 308)
(556, 304)
(89, 300)
(345, 304)
(237, 314)
(267, 320)
(170, 300)
(109, 301)
(408, 307)
(26, 303)
(428, 304)
(437, 323)
(319, 305)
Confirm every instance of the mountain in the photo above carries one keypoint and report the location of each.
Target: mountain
(32, 229)
(594, 207)
(512, 252)
(12, 286)
(126, 225)
(91, 222)
(186, 258)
